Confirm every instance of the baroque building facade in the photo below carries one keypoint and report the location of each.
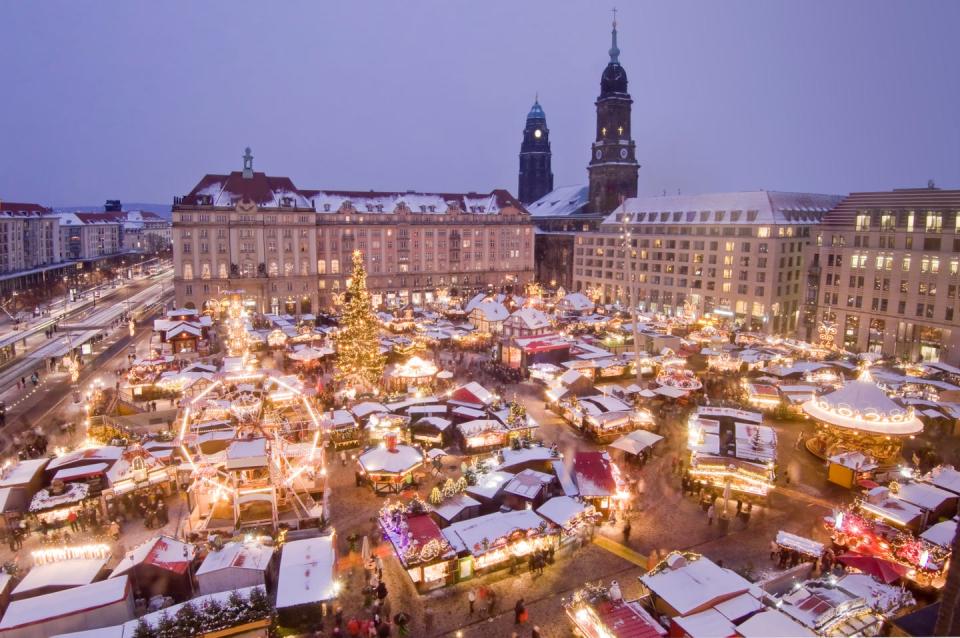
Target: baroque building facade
(288, 250)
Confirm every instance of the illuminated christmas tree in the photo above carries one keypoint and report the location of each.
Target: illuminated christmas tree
(359, 362)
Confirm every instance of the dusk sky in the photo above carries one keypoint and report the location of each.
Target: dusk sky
(138, 100)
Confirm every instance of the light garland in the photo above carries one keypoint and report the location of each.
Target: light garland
(50, 555)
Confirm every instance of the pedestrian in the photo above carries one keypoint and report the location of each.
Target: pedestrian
(381, 591)
(535, 633)
(428, 620)
(491, 602)
(471, 599)
(519, 613)
(626, 531)
(343, 458)
(710, 513)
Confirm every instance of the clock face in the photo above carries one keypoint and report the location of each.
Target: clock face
(623, 153)
(598, 154)
(537, 133)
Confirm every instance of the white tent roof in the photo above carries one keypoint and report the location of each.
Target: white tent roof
(772, 623)
(306, 572)
(863, 405)
(380, 459)
(942, 533)
(560, 509)
(62, 603)
(64, 574)
(636, 441)
(691, 584)
(239, 556)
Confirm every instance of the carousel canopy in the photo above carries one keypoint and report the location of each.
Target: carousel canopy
(863, 405)
(392, 461)
(636, 441)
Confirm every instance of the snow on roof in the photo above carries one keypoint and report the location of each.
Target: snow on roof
(593, 474)
(489, 484)
(923, 495)
(739, 606)
(607, 403)
(561, 201)
(79, 472)
(306, 572)
(689, 585)
(479, 426)
(63, 574)
(530, 318)
(473, 393)
(749, 207)
(772, 623)
(469, 535)
(528, 483)
(490, 310)
(566, 480)
(435, 421)
(380, 459)
(575, 302)
(107, 453)
(636, 441)
(886, 599)
(670, 391)
(366, 408)
(944, 477)
(893, 509)
(338, 418)
(264, 190)
(246, 453)
(450, 508)
(23, 472)
(559, 510)
(570, 377)
(708, 623)
(861, 404)
(66, 602)
(472, 413)
(390, 202)
(164, 552)
(534, 453)
(237, 555)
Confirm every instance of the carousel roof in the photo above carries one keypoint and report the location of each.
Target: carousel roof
(863, 405)
(398, 460)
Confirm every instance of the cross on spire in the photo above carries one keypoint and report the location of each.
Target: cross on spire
(614, 50)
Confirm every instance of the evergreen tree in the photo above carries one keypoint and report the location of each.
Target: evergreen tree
(359, 361)
(214, 616)
(166, 627)
(259, 604)
(189, 621)
(144, 630)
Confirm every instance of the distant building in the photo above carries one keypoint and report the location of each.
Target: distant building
(289, 250)
(886, 273)
(29, 236)
(613, 172)
(738, 257)
(89, 235)
(536, 175)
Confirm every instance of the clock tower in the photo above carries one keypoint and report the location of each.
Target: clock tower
(536, 176)
(613, 164)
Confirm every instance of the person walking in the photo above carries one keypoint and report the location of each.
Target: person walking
(535, 633)
(710, 512)
(491, 602)
(381, 591)
(626, 531)
(471, 599)
(519, 612)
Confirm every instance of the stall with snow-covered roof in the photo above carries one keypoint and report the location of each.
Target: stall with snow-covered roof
(572, 516)
(160, 566)
(234, 565)
(860, 417)
(731, 449)
(85, 608)
(419, 544)
(598, 611)
(598, 480)
(528, 489)
(499, 540)
(341, 428)
(684, 584)
(307, 584)
(390, 466)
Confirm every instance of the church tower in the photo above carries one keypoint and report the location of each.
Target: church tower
(613, 165)
(536, 176)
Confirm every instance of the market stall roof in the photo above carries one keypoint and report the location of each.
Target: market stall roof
(863, 405)
(925, 496)
(450, 508)
(690, 585)
(888, 599)
(942, 533)
(306, 353)
(944, 477)
(402, 458)
(489, 484)
(670, 392)
(247, 453)
(163, 552)
(593, 474)
(103, 454)
(61, 574)
(437, 422)
(530, 318)
(306, 572)
(772, 623)
(238, 556)
(607, 403)
(472, 394)
(565, 478)
(636, 441)
(560, 510)
(799, 543)
(708, 623)
(471, 413)
(23, 472)
(80, 472)
(855, 461)
(741, 606)
(469, 535)
(798, 367)
(881, 504)
(338, 418)
(528, 483)
(479, 426)
(83, 599)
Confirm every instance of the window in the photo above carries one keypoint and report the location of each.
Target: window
(863, 222)
(934, 222)
(763, 231)
(906, 264)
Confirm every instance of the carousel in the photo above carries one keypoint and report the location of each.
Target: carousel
(414, 372)
(680, 379)
(860, 417)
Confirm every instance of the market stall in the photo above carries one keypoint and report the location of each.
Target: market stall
(419, 544)
(390, 467)
(498, 540)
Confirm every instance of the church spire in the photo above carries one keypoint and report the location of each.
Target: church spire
(614, 50)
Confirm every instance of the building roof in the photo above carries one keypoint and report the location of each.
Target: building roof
(690, 585)
(560, 510)
(23, 472)
(772, 623)
(237, 556)
(163, 552)
(844, 213)
(562, 201)
(22, 209)
(388, 202)
(469, 535)
(62, 574)
(82, 599)
(530, 318)
(306, 572)
(528, 483)
(491, 310)
(264, 190)
(862, 405)
(397, 461)
(593, 474)
(536, 112)
(738, 208)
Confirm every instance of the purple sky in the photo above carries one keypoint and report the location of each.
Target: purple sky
(137, 100)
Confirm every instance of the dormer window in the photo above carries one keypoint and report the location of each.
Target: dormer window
(423, 209)
(286, 202)
(379, 208)
(433, 209)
